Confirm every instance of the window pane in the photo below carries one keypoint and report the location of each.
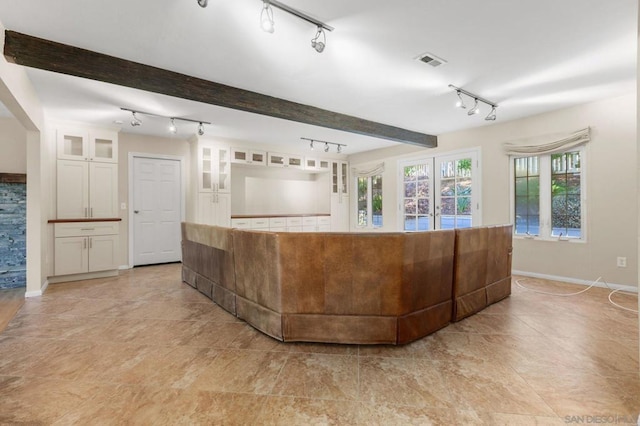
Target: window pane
(423, 206)
(410, 189)
(463, 205)
(410, 206)
(463, 168)
(376, 200)
(566, 216)
(410, 223)
(424, 223)
(448, 206)
(447, 187)
(447, 170)
(423, 188)
(463, 187)
(362, 201)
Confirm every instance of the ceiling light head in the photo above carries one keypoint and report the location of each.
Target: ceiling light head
(326, 147)
(492, 115)
(200, 129)
(203, 3)
(339, 149)
(266, 18)
(317, 43)
(475, 109)
(135, 121)
(460, 103)
(172, 128)
(311, 145)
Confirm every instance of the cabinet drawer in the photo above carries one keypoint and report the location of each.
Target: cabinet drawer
(294, 229)
(277, 222)
(309, 221)
(241, 223)
(85, 229)
(324, 220)
(294, 221)
(260, 223)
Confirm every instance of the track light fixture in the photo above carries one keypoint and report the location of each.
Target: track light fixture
(135, 121)
(460, 103)
(476, 108)
(267, 22)
(266, 18)
(318, 44)
(203, 3)
(492, 115)
(327, 145)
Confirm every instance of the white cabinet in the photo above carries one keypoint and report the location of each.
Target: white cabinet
(82, 247)
(339, 196)
(81, 145)
(276, 159)
(248, 156)
(316, 164)
(214, 171)
(214, 208)
(86, 189)
(87, 174)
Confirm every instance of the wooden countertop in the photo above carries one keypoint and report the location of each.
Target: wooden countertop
(93, 219)
(256, 216)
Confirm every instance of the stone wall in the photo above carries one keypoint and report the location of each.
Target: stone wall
(13, 227)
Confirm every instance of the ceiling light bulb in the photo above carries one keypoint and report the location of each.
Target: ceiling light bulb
(135, 121)
(317, 44)
(326, 147)
(201, 129)
(475, 109)
(460, 103)
(492, 115)
(266, 18)
(172, 128)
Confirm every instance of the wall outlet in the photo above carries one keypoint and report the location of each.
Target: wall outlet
(622, 262)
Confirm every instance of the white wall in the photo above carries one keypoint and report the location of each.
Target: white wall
(13, 146)
(612, 224)
(259, 190)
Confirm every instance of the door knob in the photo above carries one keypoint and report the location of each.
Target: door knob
(136, 211)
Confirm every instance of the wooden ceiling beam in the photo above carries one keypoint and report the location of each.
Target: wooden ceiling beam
(48, 55)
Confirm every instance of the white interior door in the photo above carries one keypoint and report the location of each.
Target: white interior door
(157, 207)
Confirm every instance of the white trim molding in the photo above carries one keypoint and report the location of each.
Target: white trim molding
(621, 287)
(37, 293)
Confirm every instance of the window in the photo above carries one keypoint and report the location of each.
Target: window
(370, 201)
(549, 195)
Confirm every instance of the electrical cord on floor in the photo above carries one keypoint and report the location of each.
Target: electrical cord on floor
(599, 279)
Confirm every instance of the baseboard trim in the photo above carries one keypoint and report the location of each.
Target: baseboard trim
(86, 276)
(37, 293)
(124, 267)
(613, 286)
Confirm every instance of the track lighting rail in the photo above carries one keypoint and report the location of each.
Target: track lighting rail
(299, 14)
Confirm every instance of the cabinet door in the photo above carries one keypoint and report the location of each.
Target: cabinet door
(214, 209)
(103, 253)
(103, 190)
(72, 189)
(103, 146)
(275, 159)
(339, 213)
(72, 144)
(71, 255)
(214, 169)
(295, 162)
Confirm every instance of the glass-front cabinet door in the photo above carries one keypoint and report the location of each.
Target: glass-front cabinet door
(214, 169)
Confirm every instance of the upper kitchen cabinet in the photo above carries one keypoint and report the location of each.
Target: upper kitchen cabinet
(84, 145)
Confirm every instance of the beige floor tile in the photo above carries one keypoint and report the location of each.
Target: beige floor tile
(287, 411)
(319, 376)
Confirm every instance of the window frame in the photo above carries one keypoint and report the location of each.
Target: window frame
(370, 224)
(545, 197)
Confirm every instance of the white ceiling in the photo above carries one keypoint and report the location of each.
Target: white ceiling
(529, 57)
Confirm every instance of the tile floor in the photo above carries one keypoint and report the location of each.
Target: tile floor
(144, 348)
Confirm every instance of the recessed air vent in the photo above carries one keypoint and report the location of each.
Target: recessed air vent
(431, 59)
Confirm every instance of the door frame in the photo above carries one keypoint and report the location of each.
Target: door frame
(183, 195)
(477, 193)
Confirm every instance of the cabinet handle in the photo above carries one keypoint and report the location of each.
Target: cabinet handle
(91, 212)
(90, 243)
(87, 229)
(84, 244)
(86, 212)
